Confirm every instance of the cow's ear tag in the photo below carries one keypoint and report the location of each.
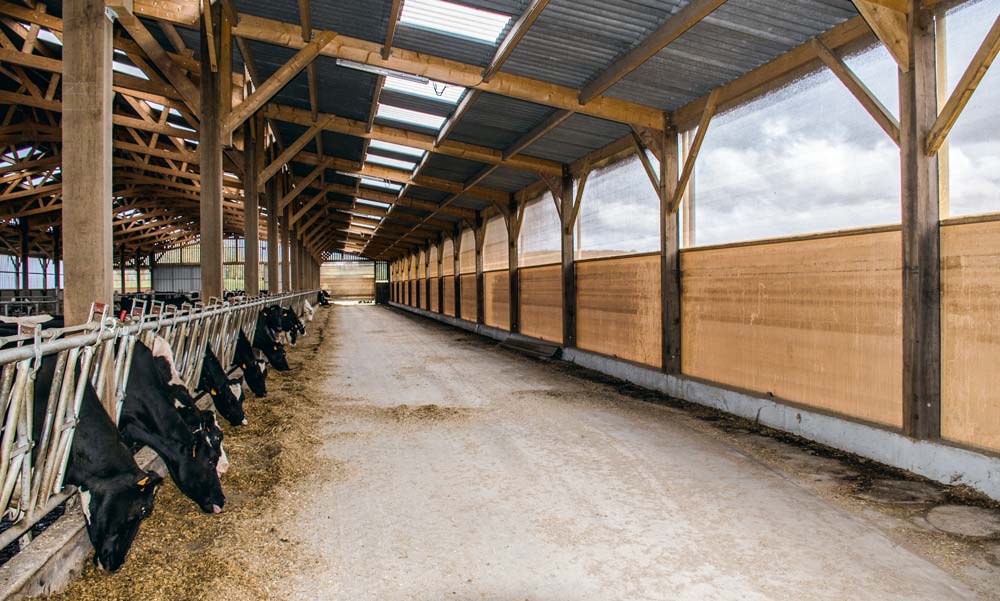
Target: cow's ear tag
(142, 483)
(243, 365)
(213, 392)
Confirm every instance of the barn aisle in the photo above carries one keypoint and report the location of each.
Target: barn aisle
(504, 478)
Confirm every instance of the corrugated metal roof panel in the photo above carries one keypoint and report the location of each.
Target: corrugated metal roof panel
(452, 168)
(344, 92)
(442, 45)
(416, 103)
(738, 37)
(497, 121)
(575, 137)
(509, 180)
(574, 40)
(366, 20)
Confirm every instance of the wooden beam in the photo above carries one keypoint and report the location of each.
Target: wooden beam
(278, 80)
(211, 223)
(466, 103)
(472, 152)
(304, 183)
(536, 133)
(308, 206)
(670, 257)
(870, 102)
(968, 83)
(394, 11)
(447, 71)
(671, 29)
(692, 156)
(288, 154)
(921, 271)
(889, 26)
(174, 74)
(514, 36)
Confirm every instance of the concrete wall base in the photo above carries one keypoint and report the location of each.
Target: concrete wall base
(939, 462)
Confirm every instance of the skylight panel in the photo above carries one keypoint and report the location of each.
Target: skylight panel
(364, 225)
(394, 113)
(397, 148)
(387, 162)
(455, 20)
(47, 36)
(128, 70)
(428, 89)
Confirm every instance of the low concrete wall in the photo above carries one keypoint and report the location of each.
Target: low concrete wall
(939, 462)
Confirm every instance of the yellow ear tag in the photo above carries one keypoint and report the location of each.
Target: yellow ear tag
(213, 392)
(142, 482)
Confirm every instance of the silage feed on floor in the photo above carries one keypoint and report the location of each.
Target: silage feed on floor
(184, 554)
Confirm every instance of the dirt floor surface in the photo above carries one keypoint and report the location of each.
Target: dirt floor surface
(402, 459)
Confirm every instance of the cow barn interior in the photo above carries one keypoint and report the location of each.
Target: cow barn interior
(500, 299)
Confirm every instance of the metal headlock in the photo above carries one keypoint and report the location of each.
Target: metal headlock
(100, 351)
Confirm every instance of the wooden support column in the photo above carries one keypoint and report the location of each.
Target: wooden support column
(253, 152)
(122, 260)
(151, 259)
(56, 256)
(273, 255)
(86, 157)
(286, 255)
(480, 238)
(567, 220)
(427, 276)
(138, 270)
(456, 240)
(513, 219)
(670, 256)
(210, 155)
(920, 235)
(25, 251)
(440, 282)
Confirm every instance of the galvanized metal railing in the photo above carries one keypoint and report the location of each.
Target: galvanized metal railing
(31, 482)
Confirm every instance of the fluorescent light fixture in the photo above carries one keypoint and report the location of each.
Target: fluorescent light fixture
(364, 225)
(456, 20)
(395, 113)
(387, 162)
(373, 203)
(379, 183)
(397, 148)
(380, 70)
(429, 89)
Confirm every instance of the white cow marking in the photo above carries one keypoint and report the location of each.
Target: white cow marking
(85, 505)
(236, 389)
(161, 348)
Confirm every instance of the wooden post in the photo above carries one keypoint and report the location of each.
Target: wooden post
(138, 270)
(273, 254)
(440, 282)
(25, 252)
(122, 260)
(286, 274)
(56, 257)
(456, 241)
(480, 238)
(567, 220)
(513, 274)
(295, 278)
(151, 259)
(427, 275)
(210, 155)
(670, 256)
(920, 235)
(86, 156)
(252, 156)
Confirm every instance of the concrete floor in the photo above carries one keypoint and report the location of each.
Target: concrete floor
(525, 482)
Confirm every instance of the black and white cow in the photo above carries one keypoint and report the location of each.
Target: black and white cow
(226, 392)
(254, 371)
(263, 340)
(115, 494)
(322, 298)
(163, 359)
(149, 417)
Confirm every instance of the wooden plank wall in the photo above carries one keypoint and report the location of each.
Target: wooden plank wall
(496, 299)
(815, 321)
(424, 301)
(970, 334)
(449, 295)
(618, 308)
(469, 293)
(541, 302)
(434, 306)
(467, 258)
(448, 258)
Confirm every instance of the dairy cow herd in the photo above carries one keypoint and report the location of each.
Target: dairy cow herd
(159, 411)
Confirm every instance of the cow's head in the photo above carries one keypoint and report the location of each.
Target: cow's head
(254, 376)
(202, 423)
(198, 477)
(114, 508)
(275, 353)
(226, 393)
